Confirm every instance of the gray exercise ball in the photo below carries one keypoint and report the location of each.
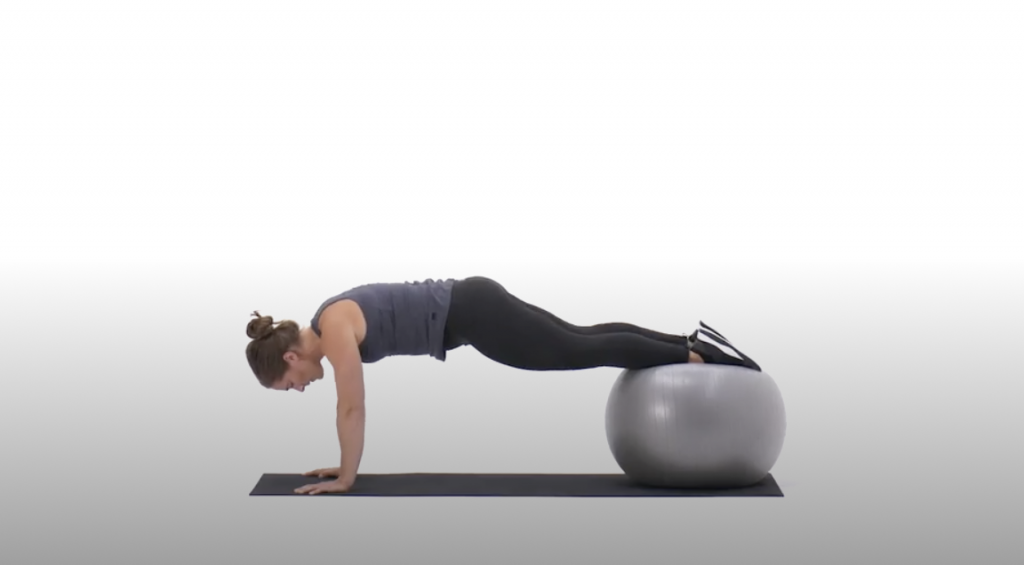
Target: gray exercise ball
(695, 425)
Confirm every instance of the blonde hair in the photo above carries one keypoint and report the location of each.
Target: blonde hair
(269, 343)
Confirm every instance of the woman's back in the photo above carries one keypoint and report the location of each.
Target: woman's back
(401, 318)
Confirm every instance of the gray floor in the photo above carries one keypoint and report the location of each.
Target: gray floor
(900, 445)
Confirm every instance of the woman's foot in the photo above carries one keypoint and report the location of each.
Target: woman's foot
(712, 347)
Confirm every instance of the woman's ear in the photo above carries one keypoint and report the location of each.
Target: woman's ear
(291, 356)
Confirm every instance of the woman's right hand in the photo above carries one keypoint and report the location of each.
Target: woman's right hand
(326, 472)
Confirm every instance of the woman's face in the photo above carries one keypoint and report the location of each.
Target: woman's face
(302, 370)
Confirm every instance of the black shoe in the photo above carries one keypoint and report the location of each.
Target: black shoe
(715, 349)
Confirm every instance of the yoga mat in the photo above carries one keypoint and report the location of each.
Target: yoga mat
(535, 485)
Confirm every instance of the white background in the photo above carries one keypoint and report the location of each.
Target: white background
(835, 186)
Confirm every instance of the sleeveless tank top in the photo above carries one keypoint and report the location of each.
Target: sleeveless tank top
(401, 318)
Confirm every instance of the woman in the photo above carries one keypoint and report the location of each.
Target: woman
(368, 323)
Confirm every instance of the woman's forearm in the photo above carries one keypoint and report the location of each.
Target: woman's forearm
(351, 427)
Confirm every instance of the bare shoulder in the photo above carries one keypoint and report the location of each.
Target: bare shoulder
(344, 313)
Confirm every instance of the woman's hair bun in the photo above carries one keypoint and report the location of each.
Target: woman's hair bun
(260, 327)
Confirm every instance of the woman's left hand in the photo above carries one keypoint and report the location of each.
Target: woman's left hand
(337, 485)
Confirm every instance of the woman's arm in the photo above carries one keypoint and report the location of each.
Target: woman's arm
(341, 348)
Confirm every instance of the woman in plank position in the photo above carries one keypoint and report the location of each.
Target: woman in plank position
(370, 322)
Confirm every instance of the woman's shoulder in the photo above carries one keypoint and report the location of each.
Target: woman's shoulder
(345, 312)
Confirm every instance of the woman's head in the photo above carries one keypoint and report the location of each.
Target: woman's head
(282, 355)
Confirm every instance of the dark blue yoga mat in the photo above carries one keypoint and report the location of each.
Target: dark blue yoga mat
(470, 484)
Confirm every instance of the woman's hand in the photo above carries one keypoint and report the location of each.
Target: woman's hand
(325, 472)
(337, 485)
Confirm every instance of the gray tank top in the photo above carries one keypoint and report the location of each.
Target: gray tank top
(401, 318)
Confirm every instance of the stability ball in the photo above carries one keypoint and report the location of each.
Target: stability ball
(695, 425)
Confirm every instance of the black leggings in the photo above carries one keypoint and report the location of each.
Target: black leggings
(513, 332)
